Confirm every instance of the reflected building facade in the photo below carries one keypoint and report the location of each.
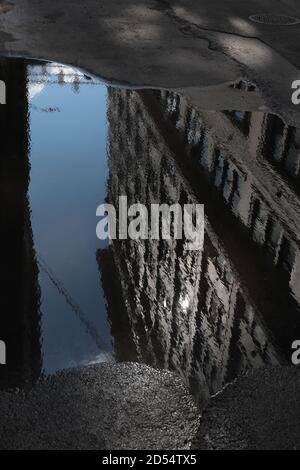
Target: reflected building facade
(208, 315)
(20, 297)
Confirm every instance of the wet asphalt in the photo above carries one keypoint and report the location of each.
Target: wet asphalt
(109, 406)
(132, 406)
(260, 411)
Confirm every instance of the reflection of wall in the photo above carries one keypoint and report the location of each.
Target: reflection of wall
(189, 311)
(124, 349)
(19, 300)
(244, 168)
(255, 197)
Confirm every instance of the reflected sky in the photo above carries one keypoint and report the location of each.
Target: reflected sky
(68, 133)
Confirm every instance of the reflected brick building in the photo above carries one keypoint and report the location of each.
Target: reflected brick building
(19, 299)
(213, 314)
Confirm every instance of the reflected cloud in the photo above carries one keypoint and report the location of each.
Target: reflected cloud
(34, 90)
(100, 358)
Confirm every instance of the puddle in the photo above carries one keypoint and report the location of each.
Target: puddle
(71, 143)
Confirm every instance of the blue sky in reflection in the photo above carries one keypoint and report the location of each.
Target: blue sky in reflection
(68, 132)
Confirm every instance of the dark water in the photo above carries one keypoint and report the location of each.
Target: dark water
(67, 299)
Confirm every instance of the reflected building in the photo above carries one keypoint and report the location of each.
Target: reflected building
(208, 315)
(250, 174)
(123, 345)
(42, 73)
(20, 297)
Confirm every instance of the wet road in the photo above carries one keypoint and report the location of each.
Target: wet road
(194, 46)
(259, 412)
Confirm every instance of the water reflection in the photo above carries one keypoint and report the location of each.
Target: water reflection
(69, 299)
(208, 315)
(67, 182)
(53, 313)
